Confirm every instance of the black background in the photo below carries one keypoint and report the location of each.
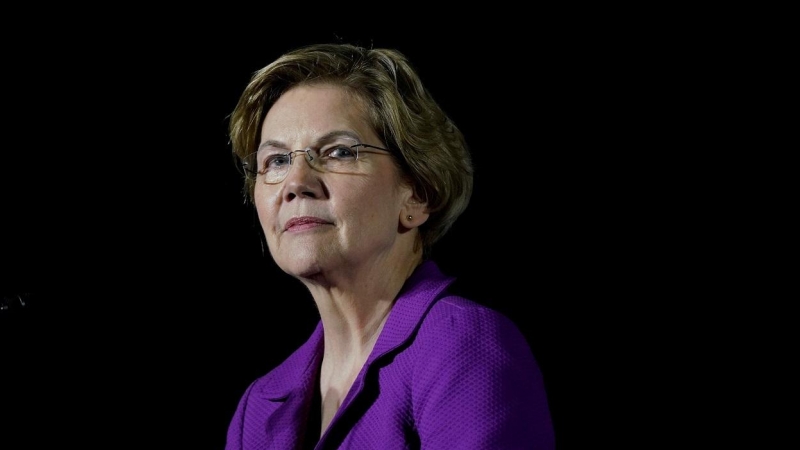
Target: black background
(150, 303)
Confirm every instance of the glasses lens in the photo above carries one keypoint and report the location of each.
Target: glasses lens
(273, 164)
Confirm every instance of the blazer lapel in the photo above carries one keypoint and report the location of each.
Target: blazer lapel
(288, 395)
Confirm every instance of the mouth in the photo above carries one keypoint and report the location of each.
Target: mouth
(304, 223)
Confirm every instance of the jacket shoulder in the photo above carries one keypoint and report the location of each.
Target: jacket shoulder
(458, 324)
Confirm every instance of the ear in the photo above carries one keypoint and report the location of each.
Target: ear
(414, 212)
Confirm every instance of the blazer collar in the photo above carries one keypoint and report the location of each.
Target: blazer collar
(413, 301)
(299, 371)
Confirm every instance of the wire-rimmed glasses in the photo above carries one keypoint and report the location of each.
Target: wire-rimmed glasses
(339, 155)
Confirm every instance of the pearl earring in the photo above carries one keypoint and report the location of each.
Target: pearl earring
(408, 217)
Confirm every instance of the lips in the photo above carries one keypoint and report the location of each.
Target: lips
(304, 223)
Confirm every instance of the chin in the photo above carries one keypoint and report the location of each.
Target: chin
(307, 259)
(304, 272)
(300, 264)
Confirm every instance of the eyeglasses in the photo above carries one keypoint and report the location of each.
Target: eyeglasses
(273, 163)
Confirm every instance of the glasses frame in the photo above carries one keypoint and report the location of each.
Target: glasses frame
(253, 174)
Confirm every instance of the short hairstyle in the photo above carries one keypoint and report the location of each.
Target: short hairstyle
(427, 146)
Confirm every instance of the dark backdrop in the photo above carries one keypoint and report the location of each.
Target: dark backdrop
(150, 303)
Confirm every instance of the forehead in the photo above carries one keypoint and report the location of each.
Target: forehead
(306, 112)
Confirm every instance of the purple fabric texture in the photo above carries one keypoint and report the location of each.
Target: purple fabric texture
(445, 373)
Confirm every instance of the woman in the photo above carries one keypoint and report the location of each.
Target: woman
(355, 173)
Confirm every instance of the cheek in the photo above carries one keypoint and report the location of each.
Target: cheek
(379, 201)
(264, 207)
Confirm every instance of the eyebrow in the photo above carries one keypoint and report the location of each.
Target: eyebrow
(327, 137)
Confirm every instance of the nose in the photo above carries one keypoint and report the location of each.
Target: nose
(302, 179)
(308, 156)
(293, 161)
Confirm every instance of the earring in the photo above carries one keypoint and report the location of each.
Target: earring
(408, 217)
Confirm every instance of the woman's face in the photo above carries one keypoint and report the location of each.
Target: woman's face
(316, 221)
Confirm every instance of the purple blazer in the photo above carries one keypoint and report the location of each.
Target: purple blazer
(445, 373)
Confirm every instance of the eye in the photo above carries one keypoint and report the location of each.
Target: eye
(339, 152)
(275, 161)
